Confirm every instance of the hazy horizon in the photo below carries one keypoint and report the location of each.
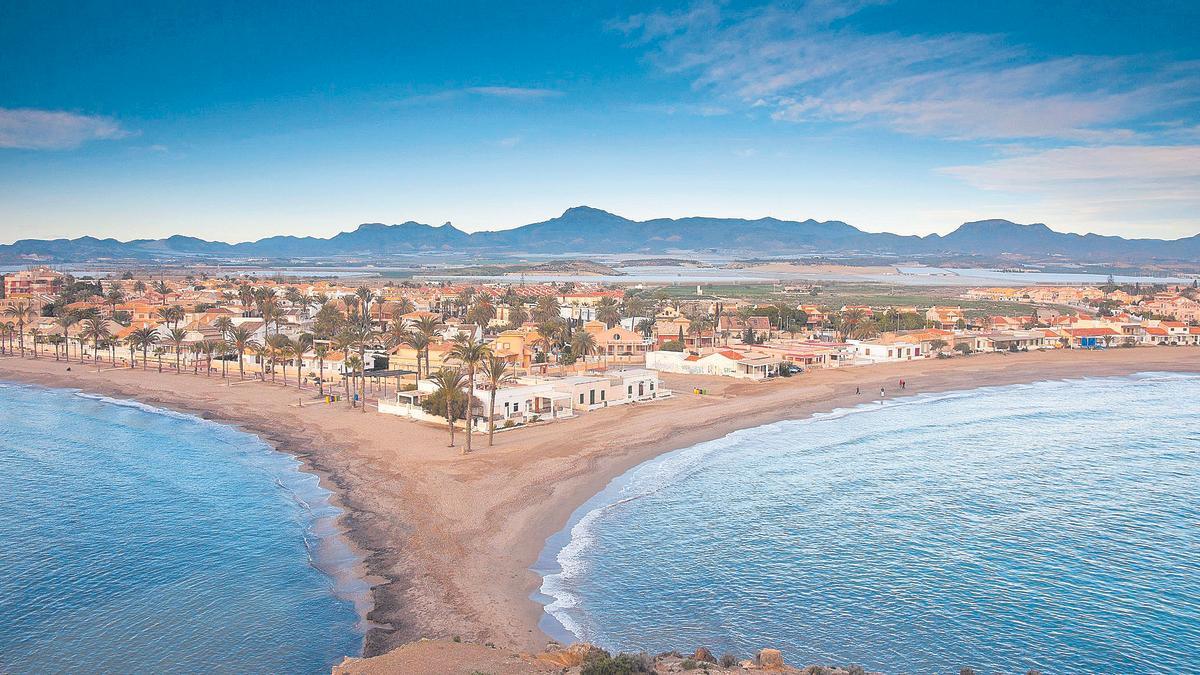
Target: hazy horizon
(355, 226)
(232, 122)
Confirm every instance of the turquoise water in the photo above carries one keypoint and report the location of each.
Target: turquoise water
(1053, 526)
(142, 540)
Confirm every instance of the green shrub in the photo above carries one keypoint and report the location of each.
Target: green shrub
(621, 664)
(728, 660)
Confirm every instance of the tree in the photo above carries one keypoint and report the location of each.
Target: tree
(285, 349)
(482, 313)
(97, 331)
(22, 312)
(449, 398)
(469, 353)
(608, 312)
(277, 343)
(517, 315)
(36, 336)
(583, 344)
(420, 344)
(114, 297)
(320, 351)
(64, 322)
(176, 336)
(144, 338)
(497, 372)
(937, 345)
(241, 339)
(672, 346)
(546, 310)
(208, 348)
(302, 346)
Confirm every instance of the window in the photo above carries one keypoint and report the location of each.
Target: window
(581, 399)
(631, 390)
(591, 396)
(602, 392)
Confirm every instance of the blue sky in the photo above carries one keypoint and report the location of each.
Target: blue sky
(225, 121)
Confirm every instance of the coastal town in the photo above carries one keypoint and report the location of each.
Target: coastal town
(496, 357)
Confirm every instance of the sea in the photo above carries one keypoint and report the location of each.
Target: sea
(136, 539)
(1052, 526)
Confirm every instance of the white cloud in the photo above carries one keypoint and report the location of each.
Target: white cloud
(508, 93)
(808, 64)
(1154, 187)
(514, 92)
(509, 142)
(32, 129)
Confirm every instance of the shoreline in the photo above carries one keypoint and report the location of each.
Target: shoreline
(449, 542)
(549, 565)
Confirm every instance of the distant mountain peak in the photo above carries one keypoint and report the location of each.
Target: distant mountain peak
(585, 229)
(584, 209)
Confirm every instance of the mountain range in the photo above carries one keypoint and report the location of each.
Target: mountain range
(583, 230)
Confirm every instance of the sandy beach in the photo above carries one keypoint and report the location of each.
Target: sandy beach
(448, 539)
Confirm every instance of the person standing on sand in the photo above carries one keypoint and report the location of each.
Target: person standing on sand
(881, 395)
(857, 392)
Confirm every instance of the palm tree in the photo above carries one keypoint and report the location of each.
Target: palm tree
(64, 322)
(300, 347)
(320, 351)
(365, 297)
(221, 346)
(36, 335)
(22, 312)
(223, 324)
(285, 349)
(608, 312)
(583, 344)
(469, 353)
(171, 315)
(497, 372)
(450, 381)
(176, 336)
(344, 342)
(420, 344)
(6, 332)
(115, 297)
(242, 339)
(144, 339)
(277, 343)
(851, 322)
(262, 353)
(362, 333)
(97, 331)
(208, 348)
(350, 367)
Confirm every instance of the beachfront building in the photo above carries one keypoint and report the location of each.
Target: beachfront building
(39, 280)
(745, 364)
(617, 341)
(880, 351)
(531, 399)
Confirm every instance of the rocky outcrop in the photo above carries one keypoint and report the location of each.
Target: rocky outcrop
(451, 658)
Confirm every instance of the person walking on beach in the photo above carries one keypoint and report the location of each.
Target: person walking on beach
(857, 392)
(881, 395)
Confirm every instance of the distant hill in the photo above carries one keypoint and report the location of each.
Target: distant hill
(583, 229)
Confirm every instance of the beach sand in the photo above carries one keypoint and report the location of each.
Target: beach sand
(449, 539)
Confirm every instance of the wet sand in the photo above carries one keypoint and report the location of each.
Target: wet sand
(448, 540)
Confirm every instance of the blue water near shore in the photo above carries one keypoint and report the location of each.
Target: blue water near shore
(1054, 526)
(143, 540)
